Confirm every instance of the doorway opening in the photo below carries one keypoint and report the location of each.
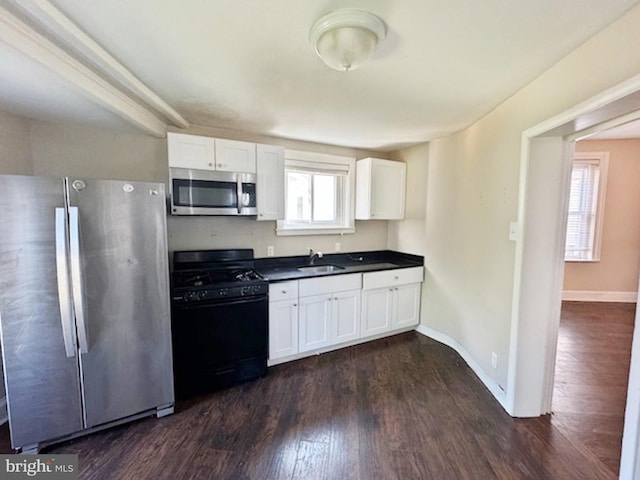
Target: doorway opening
(543, 203)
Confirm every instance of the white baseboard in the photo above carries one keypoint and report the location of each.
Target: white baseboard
(488, 382)
(595, 296)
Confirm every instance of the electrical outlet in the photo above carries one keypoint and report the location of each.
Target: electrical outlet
(494, 359)
(513, 231)
(271, 251)
(337, 247)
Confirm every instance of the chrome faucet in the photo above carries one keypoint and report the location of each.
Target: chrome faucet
(313, 255)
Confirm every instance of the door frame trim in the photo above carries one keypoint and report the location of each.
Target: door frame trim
(524, 398)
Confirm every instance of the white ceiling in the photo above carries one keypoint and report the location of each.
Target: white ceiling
(246, 64)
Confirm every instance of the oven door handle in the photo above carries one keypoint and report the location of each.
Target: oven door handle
(223, 303)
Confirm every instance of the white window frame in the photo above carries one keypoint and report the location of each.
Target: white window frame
(602, 160)
(346, 198)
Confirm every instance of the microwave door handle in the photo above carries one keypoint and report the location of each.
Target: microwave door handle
(239, 193)
(76, 279)
(64, 293)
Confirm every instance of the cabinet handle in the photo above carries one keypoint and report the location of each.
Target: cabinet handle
(284, 291)
(396, 289)
(221, 165)
(262, 214)
(391, 289)
(396, 277)
(295, 304)
(210, 164)
(329, 299)
(335, 298)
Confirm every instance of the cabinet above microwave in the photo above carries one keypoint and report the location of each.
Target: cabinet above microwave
(213, 154)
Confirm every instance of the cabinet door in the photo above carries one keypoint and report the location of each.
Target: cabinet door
(270, 182)
(406, 306)
(191, 151)
(345, 316)
(283, 328)
(315, 318)
(387, 190)
(234, 156)
(376, 311)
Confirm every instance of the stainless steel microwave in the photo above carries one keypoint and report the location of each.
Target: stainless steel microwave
(203, 192)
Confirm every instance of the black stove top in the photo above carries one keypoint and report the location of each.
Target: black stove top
(199, 278)
(215, 274)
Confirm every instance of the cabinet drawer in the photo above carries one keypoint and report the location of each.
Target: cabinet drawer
(388, 278)
(334, 283)
(283, 291)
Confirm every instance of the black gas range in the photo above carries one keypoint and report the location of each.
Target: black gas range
(219, 320)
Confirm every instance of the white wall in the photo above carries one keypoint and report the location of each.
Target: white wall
(408, 235)
(15, 151)
(472, 196)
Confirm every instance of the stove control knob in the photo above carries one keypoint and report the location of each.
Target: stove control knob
(189, 296)
(224, 292)
(202, 295)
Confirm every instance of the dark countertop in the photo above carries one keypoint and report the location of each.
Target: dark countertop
(286, 268)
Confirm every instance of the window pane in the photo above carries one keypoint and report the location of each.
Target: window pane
(583, 203)
(324, 198)
(298, 203)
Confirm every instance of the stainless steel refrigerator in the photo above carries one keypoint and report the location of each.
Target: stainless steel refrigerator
(84, 305)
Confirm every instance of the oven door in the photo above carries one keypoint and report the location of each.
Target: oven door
(219, 343)
(202, 192)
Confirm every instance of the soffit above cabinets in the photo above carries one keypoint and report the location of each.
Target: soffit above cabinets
(247, 65)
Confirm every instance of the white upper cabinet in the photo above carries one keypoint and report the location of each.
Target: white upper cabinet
(191, 151)
(380, 189)
(207, 153)
(270, 182)
(235, 156)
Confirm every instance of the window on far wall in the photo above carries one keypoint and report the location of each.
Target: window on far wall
(586, 207)
(319, 194)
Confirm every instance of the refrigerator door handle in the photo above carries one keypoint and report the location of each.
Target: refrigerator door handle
(76, 279)
(64, 293)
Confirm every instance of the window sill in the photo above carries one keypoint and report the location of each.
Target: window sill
(593, 260)
(282, 232)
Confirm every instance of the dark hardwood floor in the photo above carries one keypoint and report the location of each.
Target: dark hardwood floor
(405, 407)
(592, 371)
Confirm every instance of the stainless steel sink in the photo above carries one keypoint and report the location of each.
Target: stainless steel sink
(320, 268)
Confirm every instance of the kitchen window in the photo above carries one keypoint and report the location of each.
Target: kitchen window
(586, 207)
(319, 194)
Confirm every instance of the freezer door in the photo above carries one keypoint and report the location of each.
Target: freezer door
(120, 280)
(41, 372)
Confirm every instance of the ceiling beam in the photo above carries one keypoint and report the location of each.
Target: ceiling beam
(75, 38)
(16, 33)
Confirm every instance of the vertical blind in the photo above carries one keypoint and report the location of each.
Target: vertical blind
(583, 208)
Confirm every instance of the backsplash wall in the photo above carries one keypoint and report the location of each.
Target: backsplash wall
(65, 149)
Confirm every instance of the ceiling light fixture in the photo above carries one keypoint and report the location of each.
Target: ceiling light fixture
(346, 38)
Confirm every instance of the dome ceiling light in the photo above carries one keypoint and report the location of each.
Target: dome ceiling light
(345, 39)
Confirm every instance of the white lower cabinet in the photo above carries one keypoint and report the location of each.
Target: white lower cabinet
(329, 311)
(283, 319)
(317, 313)
(390, 300)
(329, 319)
(405, 306)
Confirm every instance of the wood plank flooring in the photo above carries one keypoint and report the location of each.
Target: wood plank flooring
(592, 372)
(404, 407)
